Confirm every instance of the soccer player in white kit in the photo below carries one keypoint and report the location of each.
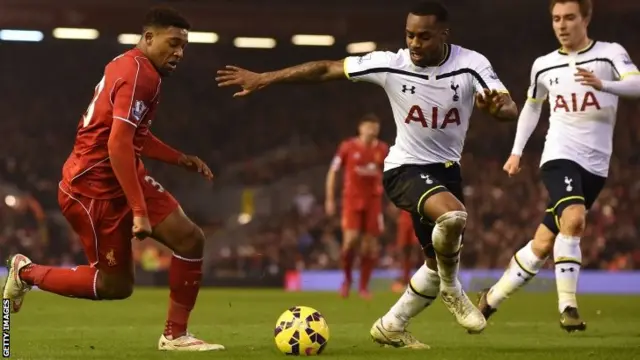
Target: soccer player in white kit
(431, 86)
(582, 81)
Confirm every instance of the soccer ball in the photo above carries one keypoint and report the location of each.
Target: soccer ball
(301, 330)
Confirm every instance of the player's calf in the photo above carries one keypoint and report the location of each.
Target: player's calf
(347, 258)
(368, 260)
(85, 282)
(567, 256)
(186, 240)
(450, 220)
(114, 286)
(524, 265)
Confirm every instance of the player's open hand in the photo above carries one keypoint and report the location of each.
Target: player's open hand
(141, 227)
(193, 163)
(587, 78)
(491, 101)
(512, 166)
(247, 80)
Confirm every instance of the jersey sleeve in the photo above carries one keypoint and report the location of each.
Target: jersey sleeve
(622, 62)
(372, 67)
(485, 77)
(340, 157)
(537, 89)
(134, 90)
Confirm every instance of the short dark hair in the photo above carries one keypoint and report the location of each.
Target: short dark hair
(369, 117)
(164, 17)
(586, 7)
(434, 8)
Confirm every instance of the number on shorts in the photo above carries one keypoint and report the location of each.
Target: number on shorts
(154, 183)
(86, 119)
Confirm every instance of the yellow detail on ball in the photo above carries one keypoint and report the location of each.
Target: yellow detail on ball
(301, 330)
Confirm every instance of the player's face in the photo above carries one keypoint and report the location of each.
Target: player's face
(569, 25)
(369, 129)
(166, 47)
(425, 39)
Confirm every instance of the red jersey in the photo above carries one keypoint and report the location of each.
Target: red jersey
(128, 92)
(363, 166)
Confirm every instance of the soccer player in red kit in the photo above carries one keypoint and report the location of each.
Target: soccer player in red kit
(363, 159)
(108, 198)
(406, 240)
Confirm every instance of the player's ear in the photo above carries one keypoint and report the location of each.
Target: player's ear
(148, 36)
(445, 33)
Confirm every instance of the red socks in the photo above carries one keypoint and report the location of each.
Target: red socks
(348, 257)
(184, 282)
(78, 282)
(367, 264)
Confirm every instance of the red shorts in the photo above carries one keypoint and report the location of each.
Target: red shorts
(405, 236)
(105, 226)
(363, 215)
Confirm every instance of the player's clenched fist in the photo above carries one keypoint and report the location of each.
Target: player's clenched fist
(141, 227)
(233, 75)
(512, 166)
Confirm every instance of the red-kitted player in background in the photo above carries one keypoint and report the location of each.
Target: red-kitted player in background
(406, 241)
(108, 198)
(362, 158)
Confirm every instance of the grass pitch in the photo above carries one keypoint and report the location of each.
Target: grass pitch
(526, 327)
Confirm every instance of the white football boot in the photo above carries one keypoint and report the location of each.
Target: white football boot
(397, 339)
(14, 288)
(458, 303)
(187, 342)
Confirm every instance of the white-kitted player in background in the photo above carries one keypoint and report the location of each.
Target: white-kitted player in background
(582, 82)
(432, 87)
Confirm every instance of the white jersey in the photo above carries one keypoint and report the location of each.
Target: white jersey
(432, 105)
(582, 118)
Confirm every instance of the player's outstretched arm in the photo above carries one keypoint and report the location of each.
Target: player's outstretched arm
(155, 149)
(314, 71)
(527, 122)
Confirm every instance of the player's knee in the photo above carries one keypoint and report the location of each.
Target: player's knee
(350, 238)
(369, 245)
(453, 222)
(572, 221)
(114, 287)
(441, 204)
(192, 246)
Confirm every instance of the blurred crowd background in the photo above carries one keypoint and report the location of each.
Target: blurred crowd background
(264, 212)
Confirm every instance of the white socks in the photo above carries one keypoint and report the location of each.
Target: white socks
(523, 267)
(568, 259)
(422, 290)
